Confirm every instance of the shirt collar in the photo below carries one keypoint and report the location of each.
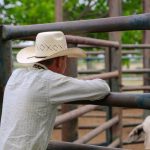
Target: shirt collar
(39, 66)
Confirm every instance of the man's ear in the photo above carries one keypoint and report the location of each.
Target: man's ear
(58, 62)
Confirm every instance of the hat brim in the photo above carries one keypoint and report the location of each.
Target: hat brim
(27, 55)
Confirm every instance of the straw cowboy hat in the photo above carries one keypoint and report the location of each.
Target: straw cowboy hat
(48, 45)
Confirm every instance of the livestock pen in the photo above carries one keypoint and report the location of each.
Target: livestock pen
(135, 22)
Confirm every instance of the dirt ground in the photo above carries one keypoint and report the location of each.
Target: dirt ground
(96, 118)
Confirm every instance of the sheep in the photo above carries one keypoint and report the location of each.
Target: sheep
(139, 131)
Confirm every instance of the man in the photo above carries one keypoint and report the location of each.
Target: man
(32, 94)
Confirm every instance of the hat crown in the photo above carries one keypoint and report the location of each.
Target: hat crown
(49, 43)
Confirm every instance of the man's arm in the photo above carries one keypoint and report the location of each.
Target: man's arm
(67, 89)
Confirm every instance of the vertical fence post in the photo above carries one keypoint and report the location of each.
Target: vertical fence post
(59, 10)
(146, 52)
(70, 128)
(5, 64)
(113, 56)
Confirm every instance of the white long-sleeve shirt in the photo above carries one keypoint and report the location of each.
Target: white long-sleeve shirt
(30, 104)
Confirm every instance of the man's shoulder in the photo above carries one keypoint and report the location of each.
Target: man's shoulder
(48, 74)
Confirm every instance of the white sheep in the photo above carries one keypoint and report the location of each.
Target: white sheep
(139, 131)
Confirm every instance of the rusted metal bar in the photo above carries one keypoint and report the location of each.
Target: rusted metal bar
(90, 71)
(124, 46)
(124, 52)
(104, 76)
(91, 41)
(103, 116)
(139, 46)
(125, 125)
(19, 46)
(122, 100)
(74, 114)
(135, 88)
(88, 46)
(95, 52)
(114, 144)
(122, 23)
(139, 71)
(97, 131)
(55, 145)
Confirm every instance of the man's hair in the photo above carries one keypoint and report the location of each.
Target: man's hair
(47, 62)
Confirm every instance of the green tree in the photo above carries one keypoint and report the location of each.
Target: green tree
(132, 7)
(27, 12)
(86, 9)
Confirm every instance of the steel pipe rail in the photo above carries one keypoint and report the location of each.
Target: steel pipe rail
(125, 125)
(139, 71)
(95, 52)
(132, 46)
(114, 144)
(104, 76)
(135, 88)
(91, 41)
(54, 145)
(121, 23)
(87, 40)
(74, 114)
(124, 52)
(90, 71)
(121, 100)
(18, 46)
(87, 46)
(97, 131)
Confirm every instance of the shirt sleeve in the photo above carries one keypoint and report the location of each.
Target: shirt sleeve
(66, 89)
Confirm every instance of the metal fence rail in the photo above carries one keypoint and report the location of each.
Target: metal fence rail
(53, 145)
(135, 22)
(74, 114)
(122, 100)
(97, 131)
(91, 41)
(122, 23)
(104, 76)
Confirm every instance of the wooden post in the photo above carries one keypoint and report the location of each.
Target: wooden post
(146, 52)
(5, 64)
(70, 128)
(113, 57)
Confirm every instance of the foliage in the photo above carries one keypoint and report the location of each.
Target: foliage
(27, 12)
(132, 7)
(87, 9)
